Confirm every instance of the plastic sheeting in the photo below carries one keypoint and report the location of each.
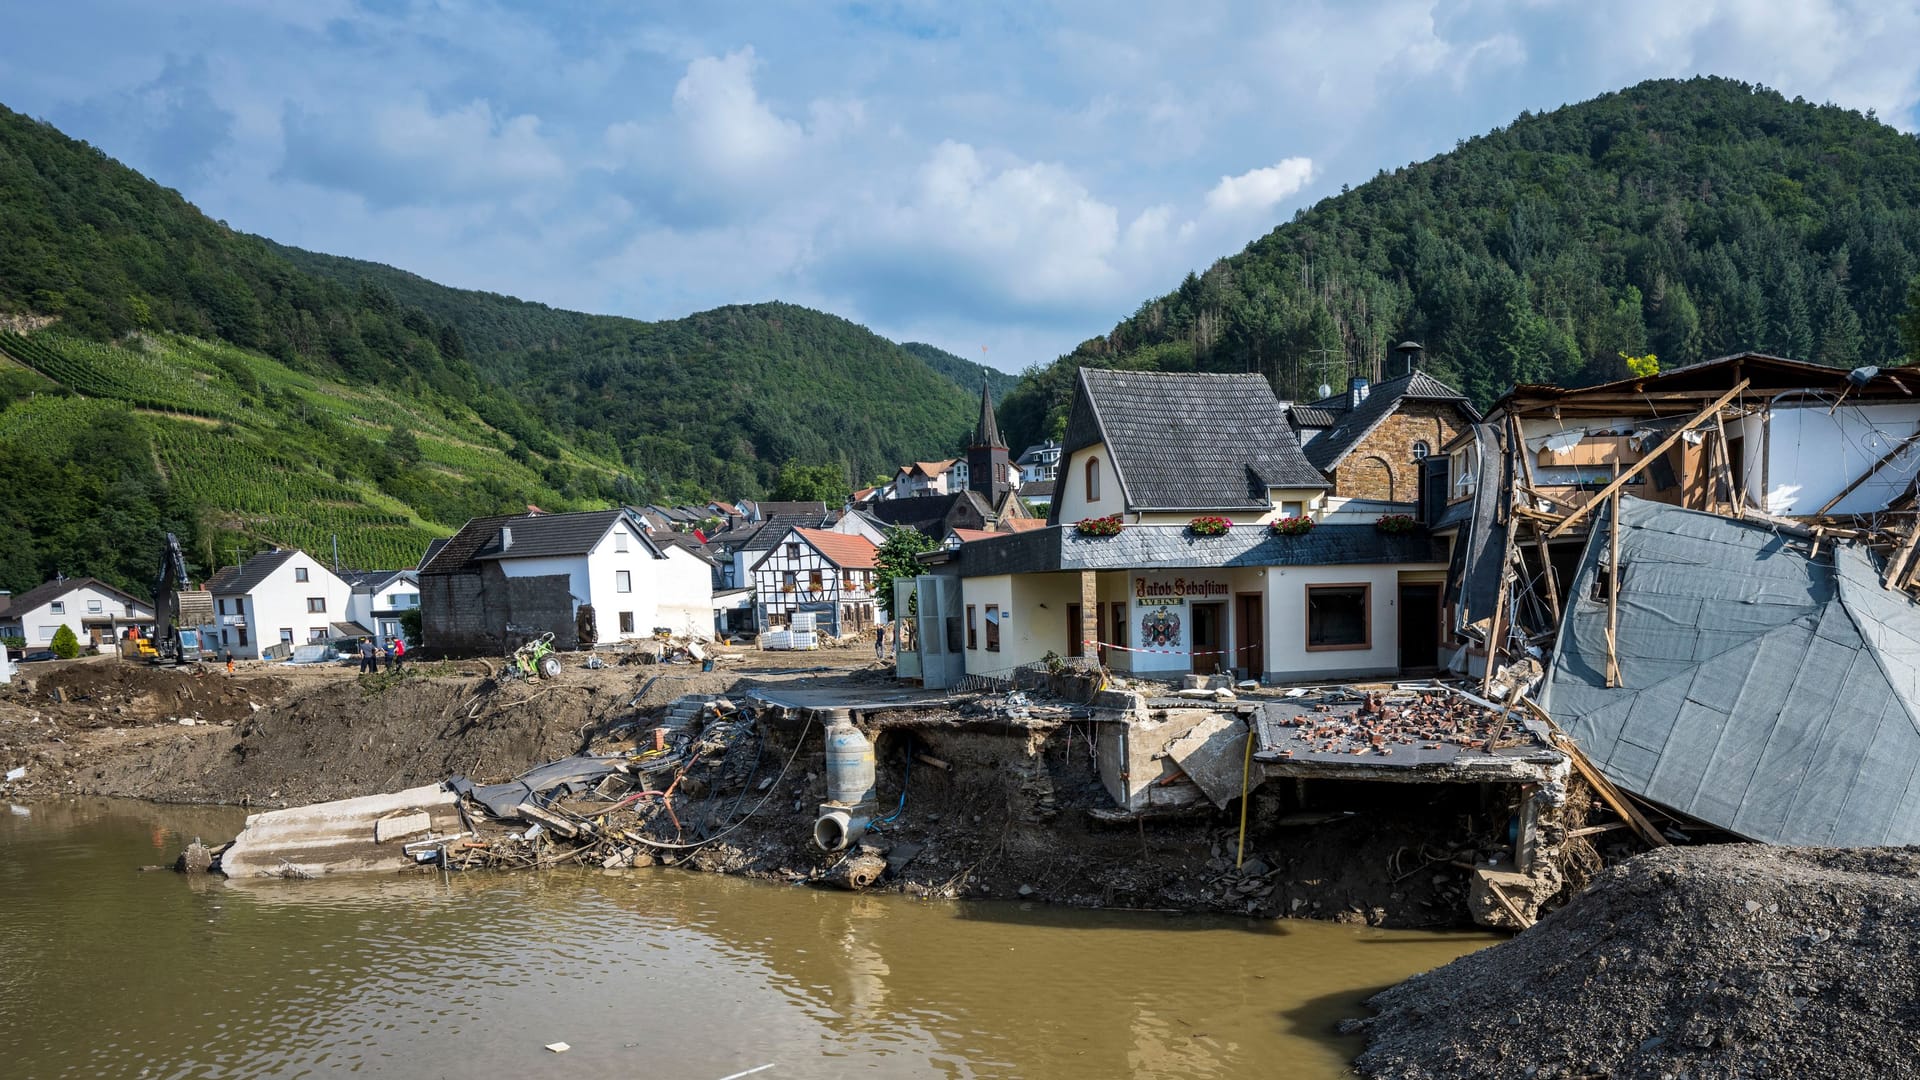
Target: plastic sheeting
(1766, 692)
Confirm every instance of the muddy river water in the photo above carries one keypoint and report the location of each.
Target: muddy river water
(106, 972)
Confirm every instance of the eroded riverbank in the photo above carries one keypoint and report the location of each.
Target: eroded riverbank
(652, 972)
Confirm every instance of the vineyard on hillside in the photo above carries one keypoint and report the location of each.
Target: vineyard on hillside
(130, 375)
(248, 491)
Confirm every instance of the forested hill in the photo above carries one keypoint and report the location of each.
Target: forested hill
(160, 371)
(964, 371)
(1688, 219)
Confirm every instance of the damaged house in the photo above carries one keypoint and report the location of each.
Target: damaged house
(1709, 572)
(591, 578)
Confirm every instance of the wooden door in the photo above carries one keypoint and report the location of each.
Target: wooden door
(1075, 646)
(1250, 633)
(1209, 637)
(1419, 627)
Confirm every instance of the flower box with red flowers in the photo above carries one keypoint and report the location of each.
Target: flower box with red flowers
(1396, 523)
(1210, 525)
(1292, 526)
(1099, 526)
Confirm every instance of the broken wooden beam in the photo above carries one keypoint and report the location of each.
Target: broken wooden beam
(1868, 475)
(1701, 417)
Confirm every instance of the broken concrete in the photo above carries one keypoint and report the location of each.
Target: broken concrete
(336, 837)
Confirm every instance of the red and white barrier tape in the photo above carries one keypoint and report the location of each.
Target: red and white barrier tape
(1167, 652)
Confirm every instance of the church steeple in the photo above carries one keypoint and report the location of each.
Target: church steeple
(986, 433)
(987, 455)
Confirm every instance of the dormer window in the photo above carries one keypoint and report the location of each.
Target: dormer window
(1093, 479)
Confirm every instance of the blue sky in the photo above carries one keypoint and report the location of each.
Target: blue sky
(1002, 180)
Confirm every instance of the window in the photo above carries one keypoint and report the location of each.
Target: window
(316, 603)
(406, 600)
(626, 622)
(93, 607)
(1293, 509)
(793, 550)
(1421, 450)
(1338, 617)
(993, 627)
(815, 583)
(1461, 465)
(47, 632)
(622, 581)
(286, 636)
(243, 637)
(1093, 479)
(299, 573)
(789, 580)
(58, 607)
(973, 632)
(316, 634)
(619, 539)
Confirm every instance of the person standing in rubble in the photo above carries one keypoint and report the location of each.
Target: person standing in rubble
(879, 643)
(367, 664)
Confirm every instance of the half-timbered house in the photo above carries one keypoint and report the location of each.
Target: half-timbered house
(825, 573)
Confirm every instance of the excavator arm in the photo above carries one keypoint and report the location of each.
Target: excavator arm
(172, 642)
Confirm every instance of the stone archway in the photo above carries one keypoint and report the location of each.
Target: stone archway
(1372, 478)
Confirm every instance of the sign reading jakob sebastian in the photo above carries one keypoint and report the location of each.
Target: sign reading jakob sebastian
(1160, 625)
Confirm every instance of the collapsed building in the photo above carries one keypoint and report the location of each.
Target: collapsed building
(1707, 572)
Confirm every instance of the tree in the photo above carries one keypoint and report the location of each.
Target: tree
(1910, 323)
(811, 483)
(896, 560)
(65, 645)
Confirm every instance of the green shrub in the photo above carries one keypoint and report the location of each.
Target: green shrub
(65, 645)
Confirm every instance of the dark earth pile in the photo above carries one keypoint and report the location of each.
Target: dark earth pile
(1704, 963)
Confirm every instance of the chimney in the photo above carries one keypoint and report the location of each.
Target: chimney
(1409, 355)
(506, 537)
(1356, 391)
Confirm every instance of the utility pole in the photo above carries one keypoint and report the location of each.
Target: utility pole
(336, 553)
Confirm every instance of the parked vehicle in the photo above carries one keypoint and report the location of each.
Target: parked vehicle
(39, 654)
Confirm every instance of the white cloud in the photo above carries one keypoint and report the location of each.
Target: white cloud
(728, 127)
(405, 152)
(1260, 189)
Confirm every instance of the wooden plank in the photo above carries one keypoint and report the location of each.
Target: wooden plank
(1612, 796)
(1868, 475)
(1613, 593)
(1699, 418)
(1506, 573)
(1896, 566)
(1539, 538)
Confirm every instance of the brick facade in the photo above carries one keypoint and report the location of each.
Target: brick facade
(1382, 465)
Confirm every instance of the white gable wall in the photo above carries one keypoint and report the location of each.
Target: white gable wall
(280, 603)
(78, 607)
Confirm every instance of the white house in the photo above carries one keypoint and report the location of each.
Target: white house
(819, 571)
(283, 596)
(500, 580)
(378, 600)
(96, 612)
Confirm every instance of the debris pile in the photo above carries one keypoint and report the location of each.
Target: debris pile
(1711, 962)
(1378, 722)
(654, 787)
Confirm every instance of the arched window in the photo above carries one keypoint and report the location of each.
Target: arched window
(1093, 479)
(1421, 450)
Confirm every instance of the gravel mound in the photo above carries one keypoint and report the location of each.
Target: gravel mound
(1699, 963)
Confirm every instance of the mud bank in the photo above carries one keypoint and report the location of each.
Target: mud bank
(1015, 810)
(1711, 963)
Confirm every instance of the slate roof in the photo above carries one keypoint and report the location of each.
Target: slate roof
(986, 432)
(54, 590)
(1769, 693)
(1037, 487)
(433, 548)
(1189, 440)
(1146, 547)
(815, 510)
(250, 573)
(1347, 425)
(534, 537)
(927, 513)
(370, 580)
(686, 542)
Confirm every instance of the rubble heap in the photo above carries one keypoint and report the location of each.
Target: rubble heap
(1711, 963)
(1384, 721)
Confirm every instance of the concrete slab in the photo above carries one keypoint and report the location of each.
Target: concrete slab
(335, 837)
(1213, 755)
(857, 698)
(1450, 739)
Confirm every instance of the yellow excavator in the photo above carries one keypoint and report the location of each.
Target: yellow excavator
(171, 643)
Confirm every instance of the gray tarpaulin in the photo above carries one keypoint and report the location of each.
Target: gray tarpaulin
(1765, 692)
(574, 774)
(1476, 569)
